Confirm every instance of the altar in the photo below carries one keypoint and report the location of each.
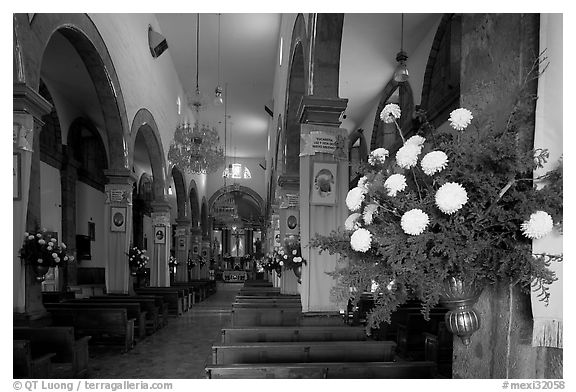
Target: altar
(234, 276)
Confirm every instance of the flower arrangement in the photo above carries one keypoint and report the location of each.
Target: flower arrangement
(40, 249)
(456, 203)
(271, 262)
(137, 260)
(172, 264)
(290, 255)
(190, 264)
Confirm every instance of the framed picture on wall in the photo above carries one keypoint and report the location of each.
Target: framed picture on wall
(118, 219)
(324, 183)
(159, 234)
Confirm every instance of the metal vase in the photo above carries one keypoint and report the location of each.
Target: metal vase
(459, 297)
(298, 272)
(40, 271)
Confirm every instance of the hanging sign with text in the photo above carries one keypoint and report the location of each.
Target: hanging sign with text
(322, 141)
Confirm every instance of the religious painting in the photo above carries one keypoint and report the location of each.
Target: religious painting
(323, 183)
(160, 234)
(118, 219)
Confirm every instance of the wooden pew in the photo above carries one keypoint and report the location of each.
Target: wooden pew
(336, 370)
(292, 334)
(104, 325)
(210, 285)
(26, 365)
(257, 283)
(198, 290)
(155, 305)
(280, 352)
(133, 308)
(174, 298)
(256, 305)
(269, 300)
(259, 289)
(267, 297)
(71, 354)
(266, 316)
(410, 329)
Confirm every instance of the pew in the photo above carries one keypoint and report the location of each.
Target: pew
(266, 316)
(209, 284)
(27, 365)
(280, 352)
(410, 329)
(335, 370)
(267, 297)
(104, 325)
(173, 297)
(259, 289)
(70, 354)
(133, 309)
(256, 305)
(154, 304)
(257, 283)
(269, 300)
(292, 334)
(198, 290)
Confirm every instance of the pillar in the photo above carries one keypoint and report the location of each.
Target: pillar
(28, 109)
(182, 248)
(118, 224)
(159, 272)
(320, 117)
(69, 176)
(195, 245)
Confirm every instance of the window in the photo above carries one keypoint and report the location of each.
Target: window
(235, 171)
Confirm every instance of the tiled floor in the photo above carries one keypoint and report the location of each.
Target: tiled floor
(178, 351)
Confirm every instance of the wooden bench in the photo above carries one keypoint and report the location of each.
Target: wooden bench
(104, 325)
(266, 316)
(26, 365)
(279, 352)
(155, 305)
(257, 283)
(256, 305)
(173, 297)
(133, 308)
(410, 329)
(71, 354)
(268, 297)
(269, 300)
(336, 370)
(292, 334)
(198, 290)
(210, 284)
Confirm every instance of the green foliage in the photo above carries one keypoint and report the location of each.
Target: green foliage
(481, 242)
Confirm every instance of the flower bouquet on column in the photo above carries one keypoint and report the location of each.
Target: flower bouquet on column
(172, 264)
(43, 252)
(449, 211)
(291, 256)
(137, 260)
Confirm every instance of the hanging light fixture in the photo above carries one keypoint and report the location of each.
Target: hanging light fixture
(401, 71)
(218, 101)
(196, 148)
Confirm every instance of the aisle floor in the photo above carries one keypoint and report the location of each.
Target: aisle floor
(180, 350)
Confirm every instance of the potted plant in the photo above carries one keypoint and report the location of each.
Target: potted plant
(449, 213)
(43, 252)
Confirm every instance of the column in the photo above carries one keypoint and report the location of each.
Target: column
(195, 245)
(118, 224)
(182, 248)
(321, 213)
(69, 176)
(28, 109)
(159, 273)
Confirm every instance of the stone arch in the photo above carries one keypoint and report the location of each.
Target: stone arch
(239, 188)
(145, 124)
(82, 33)
(406, 103)
(180, 186)
(194, 204)
(297, 87)
(441, 85)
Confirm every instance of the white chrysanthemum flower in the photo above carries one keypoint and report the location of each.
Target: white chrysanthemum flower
(39, 235)
(407, 155)
(460, 119)
(374, 286)
(395, 183)
(434, 162)
(390, 285)
(298, 259)
(281, 263)
(414, 222)
(538, 226)
(65, 258)
(30, 237)
(355, 198)
(417, 140)
(360, 240)
(294, 252)
(71, 258)
(285, 257)
(369, 213)
(363, 182)
(41, 242)
(352, 222)
(53, 240)
(451, 197)
(390, 112)
(378, 156)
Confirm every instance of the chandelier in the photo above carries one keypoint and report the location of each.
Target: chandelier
(196, 148)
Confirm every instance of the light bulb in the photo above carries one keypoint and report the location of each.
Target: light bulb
(401, 71)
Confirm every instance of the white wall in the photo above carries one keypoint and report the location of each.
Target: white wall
(50, 199)
(256, 183)
(90, 208)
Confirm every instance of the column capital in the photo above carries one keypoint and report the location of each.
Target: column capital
(186, 222)
(26, 100)
(160, 206)
(120, 176)
(321, 111)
